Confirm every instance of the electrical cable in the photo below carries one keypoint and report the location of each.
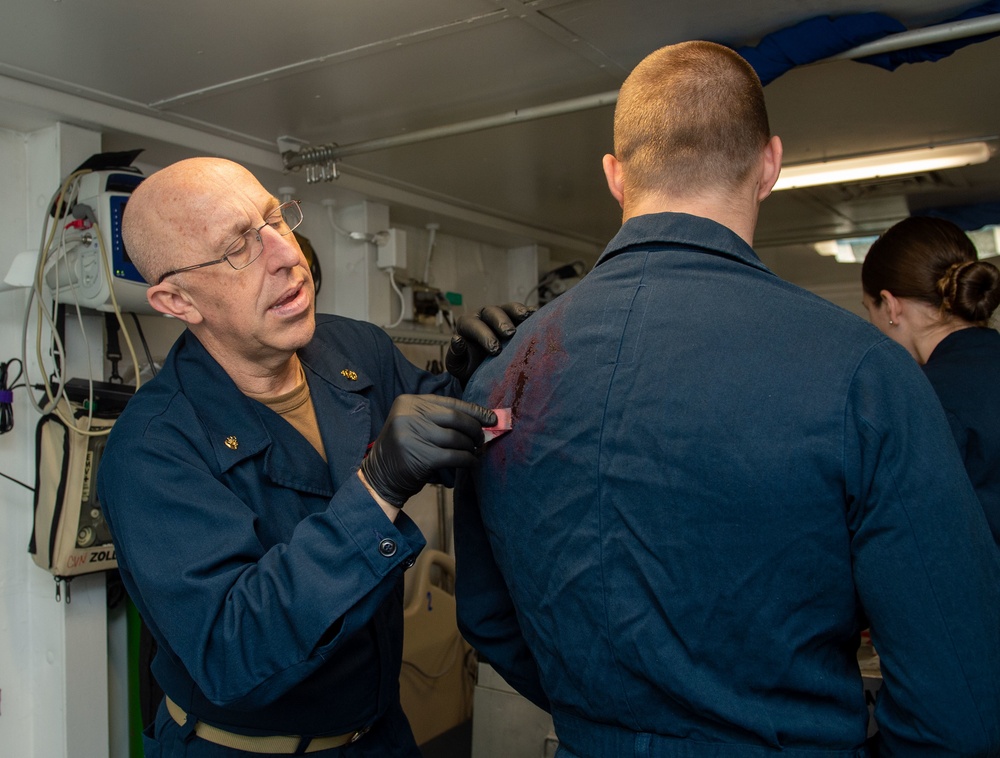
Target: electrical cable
(48, 259)
(6, 407)
(145, 345)
(57, 204)
(356, 236)
(17, 481)
(569, 271)
(372, 239)
(391, 271)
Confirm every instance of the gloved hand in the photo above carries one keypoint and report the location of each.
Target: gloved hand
(423, 433)
(479, 335)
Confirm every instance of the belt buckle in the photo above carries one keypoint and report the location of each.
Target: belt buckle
(358, 735)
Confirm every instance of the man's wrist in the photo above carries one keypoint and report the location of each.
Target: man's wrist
(390, 510)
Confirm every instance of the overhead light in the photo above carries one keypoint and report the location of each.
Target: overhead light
(854, 249)
(877, 165)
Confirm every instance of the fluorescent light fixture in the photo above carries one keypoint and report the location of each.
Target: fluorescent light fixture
(854, 249)
(877, 165)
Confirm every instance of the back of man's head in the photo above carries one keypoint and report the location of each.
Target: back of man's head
(690, 119)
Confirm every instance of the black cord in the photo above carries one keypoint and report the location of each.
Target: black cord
(145, 345)
(6, 406)
(112, 348)
(7, 394)
(17, 481)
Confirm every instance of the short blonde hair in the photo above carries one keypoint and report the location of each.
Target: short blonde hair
(690, 117)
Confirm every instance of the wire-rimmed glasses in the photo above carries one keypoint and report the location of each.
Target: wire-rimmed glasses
(247, 248)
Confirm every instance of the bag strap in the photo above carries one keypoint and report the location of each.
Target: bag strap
(61, 491)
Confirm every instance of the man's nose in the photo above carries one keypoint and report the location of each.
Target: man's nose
(280, 250)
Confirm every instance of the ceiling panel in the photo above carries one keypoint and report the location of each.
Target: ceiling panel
(146, 51)
(568, 196)
(448, 79)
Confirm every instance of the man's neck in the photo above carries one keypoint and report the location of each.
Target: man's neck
(737, 213)
(265, 371)
(271, 386)
(269, 381)
(268, 376)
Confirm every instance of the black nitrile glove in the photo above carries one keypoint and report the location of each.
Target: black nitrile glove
(479, 335)
(422, 434)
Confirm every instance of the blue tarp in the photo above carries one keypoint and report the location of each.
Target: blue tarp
(813, 40)
(967, 217)
(818, 38)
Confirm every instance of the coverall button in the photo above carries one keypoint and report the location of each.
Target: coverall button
(387, 547)
(408, 563)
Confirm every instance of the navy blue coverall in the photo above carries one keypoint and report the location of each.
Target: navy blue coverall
(714, 482)
(271, 580)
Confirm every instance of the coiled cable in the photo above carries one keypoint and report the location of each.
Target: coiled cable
(7, 388)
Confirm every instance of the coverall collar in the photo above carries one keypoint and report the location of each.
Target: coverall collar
(231, 417)
(682, 230)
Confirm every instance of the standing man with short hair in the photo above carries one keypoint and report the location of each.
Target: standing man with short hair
(254, 488)
(716, 480)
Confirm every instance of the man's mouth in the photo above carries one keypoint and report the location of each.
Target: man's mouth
(289, 297)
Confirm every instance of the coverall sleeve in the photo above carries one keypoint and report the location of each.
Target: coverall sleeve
(925, 566)
(486, 614)
(248, 621)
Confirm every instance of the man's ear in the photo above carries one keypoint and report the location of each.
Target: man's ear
(770, 167)
(171, 300)
(616, 182)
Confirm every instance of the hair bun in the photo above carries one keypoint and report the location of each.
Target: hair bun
(971, 290)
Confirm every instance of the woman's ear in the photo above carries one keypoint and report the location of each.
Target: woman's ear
(894, 306)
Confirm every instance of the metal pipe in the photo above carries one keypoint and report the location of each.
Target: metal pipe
(969, 27)
(903, 40)
(336, 152)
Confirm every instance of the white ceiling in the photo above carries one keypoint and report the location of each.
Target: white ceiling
(349, 71)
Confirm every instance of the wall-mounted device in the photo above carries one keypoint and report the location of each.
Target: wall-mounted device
(557, 281)
(79, 274)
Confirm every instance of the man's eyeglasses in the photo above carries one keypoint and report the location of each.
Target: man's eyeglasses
(246, 248)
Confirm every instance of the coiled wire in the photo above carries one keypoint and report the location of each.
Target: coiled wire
(7, 387)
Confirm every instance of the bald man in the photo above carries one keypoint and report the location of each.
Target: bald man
(715, 480)
(254, 488)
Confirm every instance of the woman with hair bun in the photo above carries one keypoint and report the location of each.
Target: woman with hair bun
(925, 287)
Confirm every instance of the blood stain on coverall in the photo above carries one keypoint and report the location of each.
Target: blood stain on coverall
(525, 387)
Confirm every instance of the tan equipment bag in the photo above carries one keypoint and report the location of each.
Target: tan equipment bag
(70, 534)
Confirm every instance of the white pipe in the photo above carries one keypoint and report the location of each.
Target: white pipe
(903, 40)
(335, 152)
(969, 27)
